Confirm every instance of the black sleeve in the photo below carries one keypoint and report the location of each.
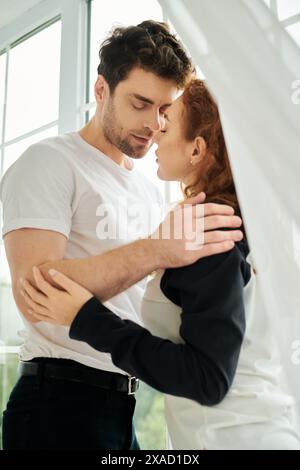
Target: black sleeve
(210, 293)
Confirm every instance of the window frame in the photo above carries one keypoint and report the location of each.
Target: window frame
(74, 54)
(72, 14)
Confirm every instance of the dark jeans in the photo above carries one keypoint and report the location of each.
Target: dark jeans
(62, 415)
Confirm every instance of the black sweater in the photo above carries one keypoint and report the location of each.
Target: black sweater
(210, 294)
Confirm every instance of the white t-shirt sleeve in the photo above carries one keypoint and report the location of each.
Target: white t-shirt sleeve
(37, 191)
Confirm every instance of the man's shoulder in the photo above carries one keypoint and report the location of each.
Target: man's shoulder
(51, 151)
(45, 159)
(60, 144)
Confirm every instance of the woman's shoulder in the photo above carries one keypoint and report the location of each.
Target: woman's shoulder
(223, 268)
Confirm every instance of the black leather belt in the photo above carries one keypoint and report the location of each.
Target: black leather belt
(65, 369)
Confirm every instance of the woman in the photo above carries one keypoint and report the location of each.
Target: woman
(204, 346)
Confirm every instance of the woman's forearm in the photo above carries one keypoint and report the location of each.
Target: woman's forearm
(176, 369)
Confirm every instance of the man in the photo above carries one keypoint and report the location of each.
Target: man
(70, 396)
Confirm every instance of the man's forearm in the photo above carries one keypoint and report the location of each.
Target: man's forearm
(108, 274)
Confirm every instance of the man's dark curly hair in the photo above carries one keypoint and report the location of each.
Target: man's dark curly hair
(150, 46)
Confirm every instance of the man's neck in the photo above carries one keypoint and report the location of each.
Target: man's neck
(94, 136)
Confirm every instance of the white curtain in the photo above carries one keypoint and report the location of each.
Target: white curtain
(251, 64)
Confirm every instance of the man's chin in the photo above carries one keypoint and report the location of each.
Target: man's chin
(139, 151)
(137, 154)
(134, 150)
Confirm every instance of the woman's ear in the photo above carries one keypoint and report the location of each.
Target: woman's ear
(198, 150)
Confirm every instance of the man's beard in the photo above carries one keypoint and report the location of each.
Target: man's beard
(112, 133)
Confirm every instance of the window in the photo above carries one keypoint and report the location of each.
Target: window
(287, 8)
(294, 31)
(29, 88)
(3, 58)
(288, 13)
(33, 83)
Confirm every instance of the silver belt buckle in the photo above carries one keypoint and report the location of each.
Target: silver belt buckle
(133, 385)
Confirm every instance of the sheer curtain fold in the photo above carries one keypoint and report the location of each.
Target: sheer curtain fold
(251, 63)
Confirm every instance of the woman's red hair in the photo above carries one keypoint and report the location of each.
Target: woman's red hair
(213, 175)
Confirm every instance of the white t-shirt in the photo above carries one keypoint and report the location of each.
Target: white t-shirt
(66, 185)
